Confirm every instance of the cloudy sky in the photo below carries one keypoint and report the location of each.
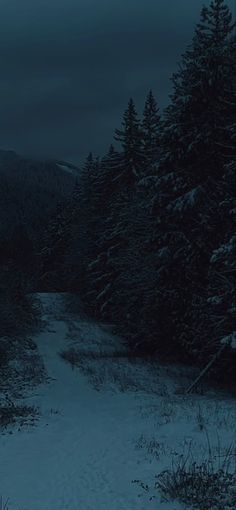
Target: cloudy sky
(68, 67)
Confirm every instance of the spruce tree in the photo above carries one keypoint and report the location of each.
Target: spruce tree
(195, 118)
(151, 129)
(130, 137)
(198, 131)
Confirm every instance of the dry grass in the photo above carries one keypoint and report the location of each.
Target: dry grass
(4, 504)
(152, 446)
(21, 367)
(113, 369)
(199, 485)
(206, 485)
(17, 414)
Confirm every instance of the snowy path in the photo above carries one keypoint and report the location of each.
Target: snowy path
(81, 454)
(78, 459)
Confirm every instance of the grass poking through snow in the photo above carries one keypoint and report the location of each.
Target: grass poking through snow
(4, 504)
(206, 485)
(17, 414)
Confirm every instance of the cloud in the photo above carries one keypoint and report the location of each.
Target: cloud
(69, 67)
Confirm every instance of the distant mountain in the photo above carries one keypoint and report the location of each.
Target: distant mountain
(30, 191)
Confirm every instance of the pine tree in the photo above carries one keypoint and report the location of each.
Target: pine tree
(111, 173)
(198, 132)
(131, 141)
(89, 163)
(195, 118)
(112, 162)
(227, 141)
(100, 271)
(151, 129)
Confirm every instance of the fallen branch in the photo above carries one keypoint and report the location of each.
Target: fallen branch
(206, 369)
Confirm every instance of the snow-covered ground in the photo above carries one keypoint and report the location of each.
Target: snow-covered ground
(104, 424)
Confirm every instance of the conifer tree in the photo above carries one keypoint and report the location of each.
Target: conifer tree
(130, 136)
(151, 129)
(196, 115)
(198, 130)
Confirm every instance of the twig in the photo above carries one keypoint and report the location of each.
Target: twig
(205, 370)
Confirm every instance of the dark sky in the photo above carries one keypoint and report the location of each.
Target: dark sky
(68, 68)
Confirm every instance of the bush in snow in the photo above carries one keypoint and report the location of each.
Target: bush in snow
(199, 485)
(12, 414)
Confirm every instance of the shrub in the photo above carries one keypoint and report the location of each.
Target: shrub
(199, 485)
(10, 414)
(208, 485)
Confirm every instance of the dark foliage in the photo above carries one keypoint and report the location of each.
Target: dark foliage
(148, 237)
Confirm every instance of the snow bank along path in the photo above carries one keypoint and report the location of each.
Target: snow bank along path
(80, 458)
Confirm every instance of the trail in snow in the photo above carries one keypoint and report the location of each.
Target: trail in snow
(82, 455)
(80, 458)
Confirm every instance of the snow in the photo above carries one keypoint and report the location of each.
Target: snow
(148, 181)
(186, 201)
(215, 300)
(94, 437)
(224, 251)
(229, 340)
(163, 253)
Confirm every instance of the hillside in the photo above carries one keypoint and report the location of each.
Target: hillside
(30, 191)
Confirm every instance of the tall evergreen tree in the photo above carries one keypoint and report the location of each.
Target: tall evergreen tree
(198, 131)
(130, 136)
(151, 129)
(197, 113)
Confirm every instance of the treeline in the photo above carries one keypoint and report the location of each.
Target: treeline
(148, 237)
(30, 192)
